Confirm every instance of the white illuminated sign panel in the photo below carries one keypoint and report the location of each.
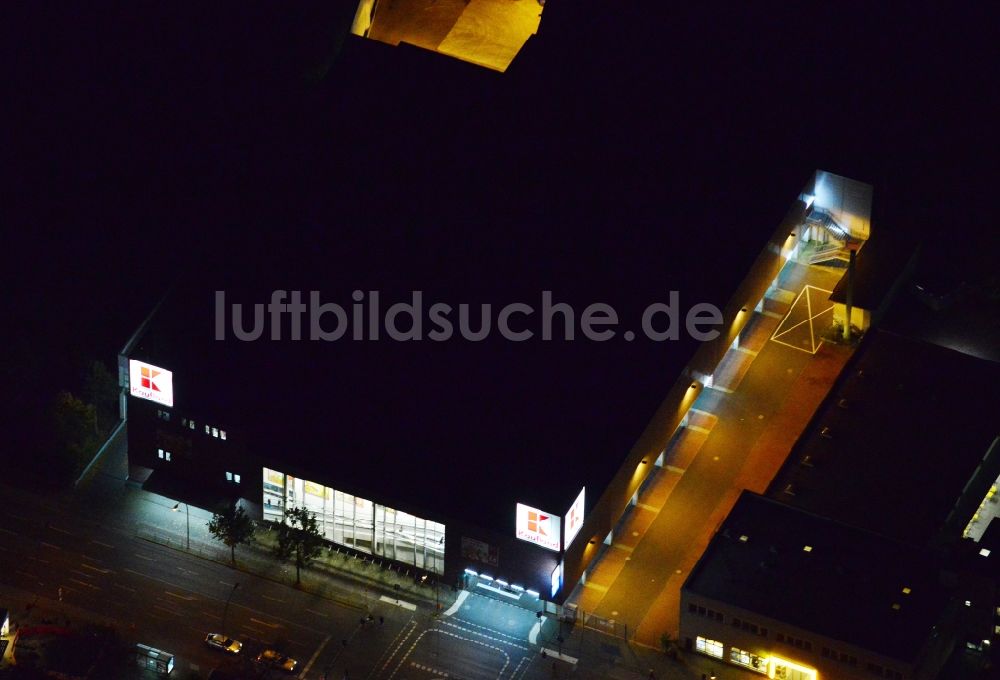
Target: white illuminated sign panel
(538, 527)
(574, 518)
(150, 382)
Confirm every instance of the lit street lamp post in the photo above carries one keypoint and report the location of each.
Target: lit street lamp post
(187, 509)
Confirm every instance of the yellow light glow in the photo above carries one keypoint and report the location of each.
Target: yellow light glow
(775, 661)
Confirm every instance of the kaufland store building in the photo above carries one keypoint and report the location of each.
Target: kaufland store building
(470, 463)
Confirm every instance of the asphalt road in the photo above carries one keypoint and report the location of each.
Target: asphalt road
(170, 600)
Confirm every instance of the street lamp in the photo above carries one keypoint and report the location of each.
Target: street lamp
(225, 612)
(187, 508)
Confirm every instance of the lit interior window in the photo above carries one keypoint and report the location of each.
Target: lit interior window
(159, 453)
(710, 647)
(807, 548)
(208, 430)
(744, 538)
(968, 603)
(222, 434)
(166, 455)
(906, 590)
(229, 476)
(191, 424)
(895, 606)
(236, 478)
(985, 552)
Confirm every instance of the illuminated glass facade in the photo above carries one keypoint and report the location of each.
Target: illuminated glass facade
(358, 523)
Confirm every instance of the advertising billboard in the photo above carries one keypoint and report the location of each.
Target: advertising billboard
(538, 527)
(574, 518)
(150, 382)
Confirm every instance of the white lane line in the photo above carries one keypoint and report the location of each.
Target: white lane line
(228, 585)
(562, 657)
(313, 611)
(85, 585)
(80, 573)
(38, 559)
(144, 557)
(103, 545)
(458, 603)
(186, 598)
(84, 565)
(49, 545)
(399, 603)
(210, 615)
(165, 609)
(272, 599)
(61, 531)
(315, 656)
(265, 623)
(119, 585)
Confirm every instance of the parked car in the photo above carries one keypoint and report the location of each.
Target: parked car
(223, 643)
(272, 658)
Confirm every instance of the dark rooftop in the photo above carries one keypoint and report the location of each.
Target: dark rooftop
(863, 577)
(897, 439)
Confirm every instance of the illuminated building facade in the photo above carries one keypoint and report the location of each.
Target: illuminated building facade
(795, 596)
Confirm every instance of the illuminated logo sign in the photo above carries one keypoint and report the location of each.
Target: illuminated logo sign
(150, 382)
(574, 518)
(557, 579)
(538, 527)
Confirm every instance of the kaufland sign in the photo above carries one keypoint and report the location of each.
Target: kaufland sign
(150, 382)
(541, 528)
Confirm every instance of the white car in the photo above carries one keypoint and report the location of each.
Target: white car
(223, 643)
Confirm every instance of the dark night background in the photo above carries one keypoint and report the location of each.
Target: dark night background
(144, 141)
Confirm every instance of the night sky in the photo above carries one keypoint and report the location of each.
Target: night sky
(628, 151)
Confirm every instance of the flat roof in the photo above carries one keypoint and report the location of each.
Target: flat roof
(822, 576)
(454, 428)
(904, 427)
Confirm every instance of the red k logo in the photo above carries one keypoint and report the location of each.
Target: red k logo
(149, 378)
(535, 520)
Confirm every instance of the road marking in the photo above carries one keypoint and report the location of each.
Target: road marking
(144, 557)
(428, 669)
(211, 615)
(8, 531)
(399, 603)
(38, 559)
(562, 657)
(88, 557)
(265, 623)
(313, 611)
(490, 634)
(228, 585)
(272, 599)
(61, 531)
(85, 585)
(119, 585)
(25, 574)
(315, 656)
(535, 630)
(93, 568)
(49, 545)
(458, 603)
(80, 573)
(165, 609)
(186, 598)
(103, 545)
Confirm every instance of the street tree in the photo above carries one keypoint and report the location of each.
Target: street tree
(231, 525)
(71, 437)
(299, 540)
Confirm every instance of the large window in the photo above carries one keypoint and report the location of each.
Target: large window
(710, 647)
(405, 538)
(358, 523)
